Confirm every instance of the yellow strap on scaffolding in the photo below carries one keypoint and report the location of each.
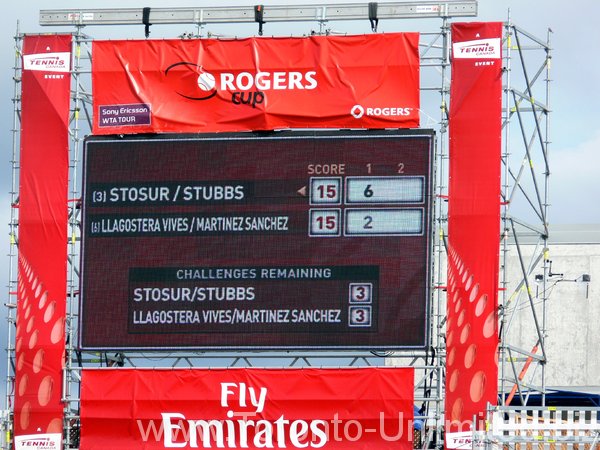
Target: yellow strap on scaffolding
(76, 114)
(532, 100)
(546, 255)
(531, 163)
(73, 238)
(78, 50)
(12, 239)
(508, 41)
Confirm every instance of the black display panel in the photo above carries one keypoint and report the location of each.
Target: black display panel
(284, 240)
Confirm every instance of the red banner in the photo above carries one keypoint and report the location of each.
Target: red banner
(473, 223)
(247, 408)
(209, 85)
(44, 162)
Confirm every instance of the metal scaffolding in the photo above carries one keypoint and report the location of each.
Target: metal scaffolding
(521, 109)
(526, 125)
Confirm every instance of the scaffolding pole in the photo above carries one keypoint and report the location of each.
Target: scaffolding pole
(526, 178)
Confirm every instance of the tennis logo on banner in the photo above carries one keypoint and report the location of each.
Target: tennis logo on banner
(48, 441)
(478, 49)
(48, 62)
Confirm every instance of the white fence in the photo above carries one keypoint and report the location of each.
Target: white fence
(540, 428)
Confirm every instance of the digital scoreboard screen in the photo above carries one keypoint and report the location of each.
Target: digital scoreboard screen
(284, 240)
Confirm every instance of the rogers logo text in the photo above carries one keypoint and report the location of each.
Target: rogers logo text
(246, 88)
(478, 49)
(358, 111)
(47, 62)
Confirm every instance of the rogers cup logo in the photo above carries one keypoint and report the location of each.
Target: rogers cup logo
(48, 441)
(478, 49)
(47, 62)
(246, 88)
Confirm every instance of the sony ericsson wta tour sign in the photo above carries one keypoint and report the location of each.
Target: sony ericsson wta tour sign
(247, 408)
(208, 85)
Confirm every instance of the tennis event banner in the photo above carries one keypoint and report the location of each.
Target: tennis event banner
(247, 408)
(211, 85)
(475, 129)
(43, 215)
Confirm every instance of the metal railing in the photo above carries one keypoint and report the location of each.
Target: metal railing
(540, 428)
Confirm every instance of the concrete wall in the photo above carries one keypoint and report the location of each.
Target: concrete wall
(572, 313)
(572, 321)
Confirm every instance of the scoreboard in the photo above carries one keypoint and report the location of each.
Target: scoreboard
(282, 240)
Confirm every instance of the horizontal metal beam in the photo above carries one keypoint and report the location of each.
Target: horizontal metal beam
(271, 13)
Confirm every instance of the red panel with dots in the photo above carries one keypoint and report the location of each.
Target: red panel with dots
(473, 222)
(43, 215)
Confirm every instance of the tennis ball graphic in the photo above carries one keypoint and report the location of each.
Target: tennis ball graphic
(206, 81)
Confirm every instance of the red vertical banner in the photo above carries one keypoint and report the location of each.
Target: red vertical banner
(473, 225)
(44, 161)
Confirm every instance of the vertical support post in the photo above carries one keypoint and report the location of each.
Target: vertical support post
(545, 206)
(13, 249)
(441, 158)
(73, 282)
(505, 206)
